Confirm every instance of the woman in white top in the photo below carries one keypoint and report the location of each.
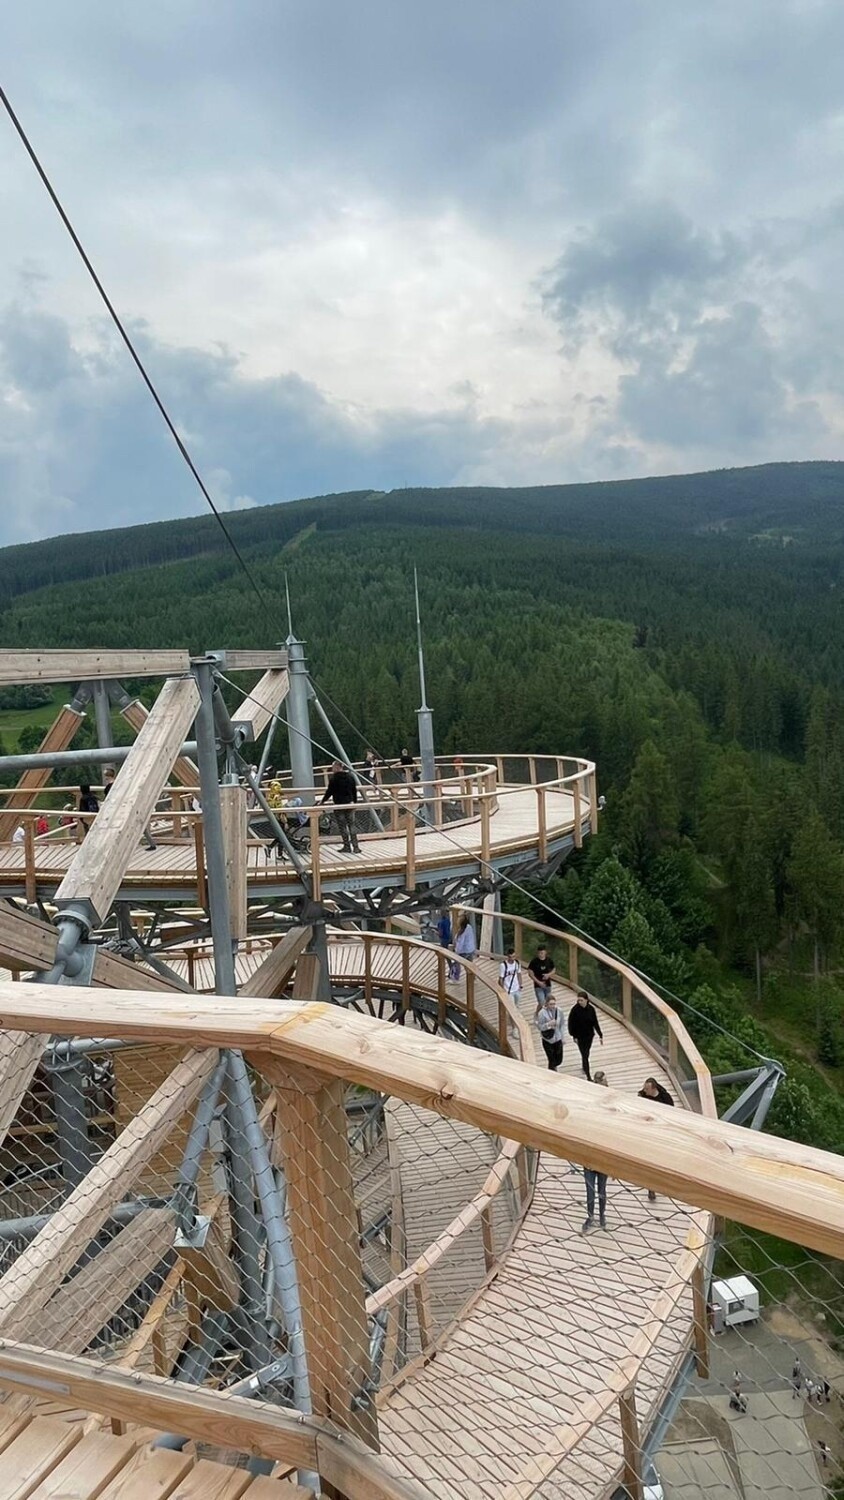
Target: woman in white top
(465, 943)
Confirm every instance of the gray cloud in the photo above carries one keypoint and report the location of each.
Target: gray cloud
(82, 446)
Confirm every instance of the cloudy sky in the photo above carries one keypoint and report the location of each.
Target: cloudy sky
(378, 244)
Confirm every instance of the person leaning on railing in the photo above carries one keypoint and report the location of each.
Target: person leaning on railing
(654, 1091)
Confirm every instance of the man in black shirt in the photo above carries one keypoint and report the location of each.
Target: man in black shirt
(657, 1094)
(542, 972)
(342, 788)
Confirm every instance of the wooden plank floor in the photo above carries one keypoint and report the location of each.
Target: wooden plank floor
(48, 1457)
(489, 1417)
(172, 867)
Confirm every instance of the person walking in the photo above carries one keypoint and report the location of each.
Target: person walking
(596, 1182)
(551, 1024)
(654, 1091)
(542, 971)
(342, 788)
(445, 937)
(584, 1026)
(510, 975)
(796, 1378)
(465, 943)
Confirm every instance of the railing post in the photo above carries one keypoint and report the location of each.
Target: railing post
(593, 802)
(405, 979)
(503, 1037)
(471, 1017)
(316, 873)
(540, 816)
(626, 998)
(518, 939)
(485, 828)
(442, 997)
(29, 860)
(410, 844)
(578, 824)
(574, 965)
(631, 1444)
(199, 851)
(673, 1058)
(487, 1238)
(311, 1132)
(367, 972)
(701, 1322)
(466, 784)
(424, 1315)
(438, 805)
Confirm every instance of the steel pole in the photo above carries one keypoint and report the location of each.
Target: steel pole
(55, 760)
(299, 720)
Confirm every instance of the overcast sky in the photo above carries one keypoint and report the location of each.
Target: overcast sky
(381, 243)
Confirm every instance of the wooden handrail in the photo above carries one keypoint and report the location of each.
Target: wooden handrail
(676, 1028)
(779, 1186)
(230, 1422)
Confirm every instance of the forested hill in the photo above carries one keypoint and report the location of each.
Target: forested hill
(685, 633)
(790, 503)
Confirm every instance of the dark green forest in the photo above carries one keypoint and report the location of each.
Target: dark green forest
(687, 633)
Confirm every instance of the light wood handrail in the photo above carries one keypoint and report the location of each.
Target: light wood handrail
(772, 1184)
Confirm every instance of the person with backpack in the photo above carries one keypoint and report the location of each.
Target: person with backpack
(584, 1026)
(510, 976)
(342, 788)
(551, 1024)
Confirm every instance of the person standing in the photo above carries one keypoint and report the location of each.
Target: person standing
(342, 789)
(465, 943)
(596, 1182)
(551, 1024)
(584, 1026)
(510, 975)
(658, 1095)
(445, 936)
(796, 1378)
(543, 971)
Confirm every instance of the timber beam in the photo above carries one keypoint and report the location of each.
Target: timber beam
(75, 666)
(779, 1186)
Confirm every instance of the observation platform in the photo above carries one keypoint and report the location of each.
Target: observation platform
(504, 813)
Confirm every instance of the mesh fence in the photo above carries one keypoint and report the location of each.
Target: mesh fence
(500, 1324)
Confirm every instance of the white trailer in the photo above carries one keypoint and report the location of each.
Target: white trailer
(737, 1301)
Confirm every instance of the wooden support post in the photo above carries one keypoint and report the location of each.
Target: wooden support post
(578, 820)
(410, 872)
(673, 1056)
(701, 1322)
(466, 784)
(486, 815)
(405, 979)
(271, 977)
(316, 874)
(487, 1238)
(631, 1444)
(233, 814)
(199, 850)
(367, 972)
(593, 802)
(626, 998)
(29, 861)
(58, 737)
(184, 770)
(471, 1013)
(438, 805)
(503, 1037)
(442, 997)
(311, 1134)
(306, 978)
(263, 701)
(574, 965)
(424, 1314)
(523, 1172)
(541, 824)
(96, 871)
(519, 940)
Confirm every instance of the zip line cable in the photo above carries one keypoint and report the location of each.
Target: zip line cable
(515, 885)
(119, 325)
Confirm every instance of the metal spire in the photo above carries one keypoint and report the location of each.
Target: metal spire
(424, 716)
(424, 702)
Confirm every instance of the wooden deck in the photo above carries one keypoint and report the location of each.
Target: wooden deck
(170, 869)
(45, 1454)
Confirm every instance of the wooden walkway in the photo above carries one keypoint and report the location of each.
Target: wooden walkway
(492, 1416)
(502, 1409)
(46, 1454)
(170, 868)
